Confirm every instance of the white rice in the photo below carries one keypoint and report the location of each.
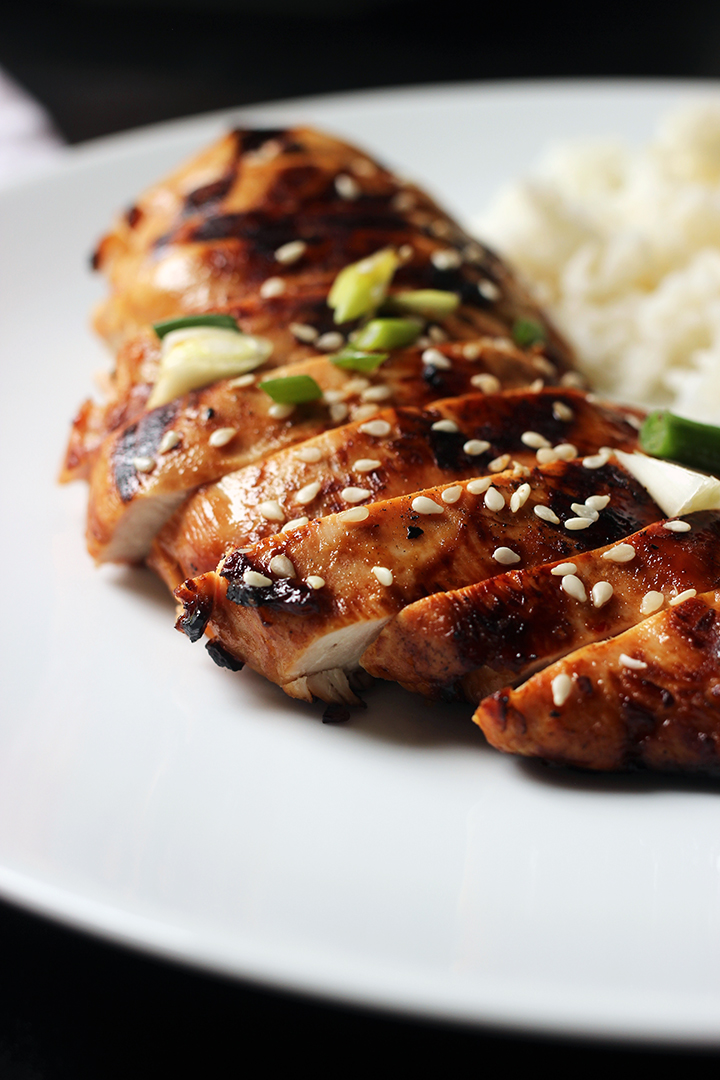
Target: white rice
(622, 247)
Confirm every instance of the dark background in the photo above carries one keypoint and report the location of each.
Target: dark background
(74, 1007)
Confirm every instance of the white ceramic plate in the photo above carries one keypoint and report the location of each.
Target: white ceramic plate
(153, 798)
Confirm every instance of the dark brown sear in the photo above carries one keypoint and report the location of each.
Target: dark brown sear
(473, 641)
(649, 698)
(454, 438)
(301, 608)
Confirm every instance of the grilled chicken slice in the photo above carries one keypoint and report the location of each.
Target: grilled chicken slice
(473, 641)
(649, 698)
(456, 438)
(298, 606)
(137, 482)
(210, 235)
(258, 226)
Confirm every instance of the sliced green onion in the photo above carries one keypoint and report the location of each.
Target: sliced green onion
(224, 322)
(665, 435)
(357, 360)
(387, 334)
(527, 332)
(293, 390)
(430, 303)
(360, 288)
(196, 356)
(674, 488)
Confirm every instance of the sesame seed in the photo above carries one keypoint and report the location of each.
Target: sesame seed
(499, 463)
(143, 464)
(437, 334)
(489, 384)
(452, 494)
(683, 596)
(534, 440)
(561, 411)
(572, 379)
(519, 497)
(477, 487)
(347, 187)
(651, 601)
(309, 454)
(494, 499)
(384, 576)
(306, 494)
(576, 523)
(421, 504)
(303, 332)
(473, 253)
(254, 580)
(620, 553)
(565, 451)
(376, 393)
(241, 381)
(505, 556)
(358, 513)
(546, 514)
(546, 455)
(597, 502)
(280, 411)
(291, 252)
(296, 523)
(677, 526)
(504, 344)
(315, 582)
(445, 425)
(561, 687)
(331, 397)
(601, 592)
(222, 436)
(434, 358)
(632, 663)
(564, 568)
(472, 350)
(541, 363)
(281, 566)
(271, 510)
(376, 428)
(364, 412)
(584, 511)
(633, 421)
(447, 259)
(473, 447)
(440, 227)
(330, 342)
(338, 412)
(406, 252)
(363, 167)
(403, 201)
(354, 494)
(357, 385)
(168, 442)
(596, 461)
(366, 464)
(272, 286)
(536, 386)
(573, 586)
(489, 290)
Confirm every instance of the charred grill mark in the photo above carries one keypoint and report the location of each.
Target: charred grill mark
(414, 532)
(197, 609)
(253, 138)
(139, 440)
(209, 193)
(447, 449)
(284, 594)
(219, 654)
(133, 215)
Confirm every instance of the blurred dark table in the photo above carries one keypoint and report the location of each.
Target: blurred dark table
(71, 1006)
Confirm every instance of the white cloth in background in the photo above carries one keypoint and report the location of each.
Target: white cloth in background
(27, 139)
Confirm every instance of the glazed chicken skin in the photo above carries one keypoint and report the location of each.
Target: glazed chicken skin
(649, 698)
(456, 438)
(137, 481)
(258, 227)
(302, 607)
(471, 642)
